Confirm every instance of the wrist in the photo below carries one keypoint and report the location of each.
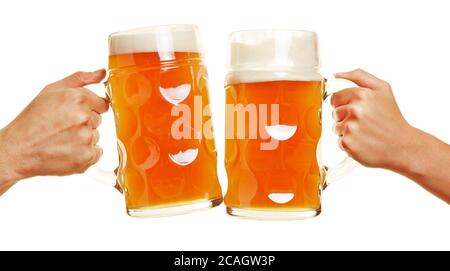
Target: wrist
(412, 153)
(9, 170)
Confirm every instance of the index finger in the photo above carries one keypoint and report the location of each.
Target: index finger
(362, 78)
(344, 96)
(95, 102)
(79, 79)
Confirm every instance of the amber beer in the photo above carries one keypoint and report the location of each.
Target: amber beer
(274, 95)
(287, 176)
(152, 72)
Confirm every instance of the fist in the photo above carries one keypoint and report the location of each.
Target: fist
(56, 133)
(369, 123)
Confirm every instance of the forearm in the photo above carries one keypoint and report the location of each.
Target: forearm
(8, 173)
(426, 160)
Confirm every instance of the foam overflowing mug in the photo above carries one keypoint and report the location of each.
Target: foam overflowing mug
(274, 95)
(158, 90)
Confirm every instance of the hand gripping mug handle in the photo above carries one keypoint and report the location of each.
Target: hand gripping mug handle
(343, 168)
(96, 172)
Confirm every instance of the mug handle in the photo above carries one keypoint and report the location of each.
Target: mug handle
(97, 173)
(343, 168)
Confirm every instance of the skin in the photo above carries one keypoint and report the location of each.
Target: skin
(56, 133)
(373, 131)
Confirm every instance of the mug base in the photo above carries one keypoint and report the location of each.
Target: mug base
(175, 210)
(272, 215)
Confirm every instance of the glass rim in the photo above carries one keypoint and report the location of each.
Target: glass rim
(273, 30)
(155, 28)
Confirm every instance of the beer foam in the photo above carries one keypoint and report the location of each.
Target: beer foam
(164, 38)
(267, 76)
(268, 55)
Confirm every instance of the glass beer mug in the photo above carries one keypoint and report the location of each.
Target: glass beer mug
(274, 95)
(158, 90)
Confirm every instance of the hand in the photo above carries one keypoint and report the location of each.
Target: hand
(372, 130)
(56, 133)
(370, 126)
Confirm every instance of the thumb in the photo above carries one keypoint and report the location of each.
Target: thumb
(79, 79)
(362, 79)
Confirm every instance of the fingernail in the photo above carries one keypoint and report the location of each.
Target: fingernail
(334, 115)
(334, 128)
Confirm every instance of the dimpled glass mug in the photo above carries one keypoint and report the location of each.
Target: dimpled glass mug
(159, 94)
(274, 95)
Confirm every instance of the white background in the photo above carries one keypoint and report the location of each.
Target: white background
(404, 42)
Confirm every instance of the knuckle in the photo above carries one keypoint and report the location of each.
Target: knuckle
(95, 137)
(67, 95)
(369, 94)
(83, 117)
(355, 112)
(335, 128)
(78, 97)
(358, 71)
(85, 156)
(351, 127)
(341, 114)
(85, 136)
(346, 144)
(99, 120)
(47, 87)
(79, 75)
(386, 85)
(96, 119)
(343, 143)
(361, 94)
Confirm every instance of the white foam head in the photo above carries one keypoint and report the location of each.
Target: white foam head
(268, 55)
(162, 39)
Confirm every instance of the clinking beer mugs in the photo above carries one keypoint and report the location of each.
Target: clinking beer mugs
(159, 94)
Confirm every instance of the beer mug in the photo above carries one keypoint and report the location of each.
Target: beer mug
(158, 88)
(274, 95)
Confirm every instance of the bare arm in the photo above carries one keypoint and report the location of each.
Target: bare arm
(55, 134)
(426, 160)
(373, 131)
